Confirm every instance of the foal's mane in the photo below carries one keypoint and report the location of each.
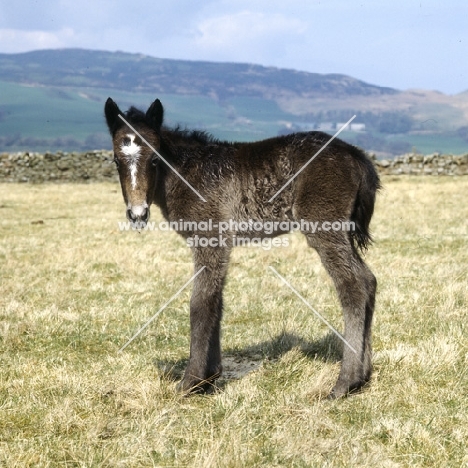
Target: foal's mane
(187, 136)
(136, 116)
(200, 137)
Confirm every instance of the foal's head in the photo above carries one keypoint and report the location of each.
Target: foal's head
(135, 160)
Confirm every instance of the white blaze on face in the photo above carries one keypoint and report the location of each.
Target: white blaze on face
(132, 152)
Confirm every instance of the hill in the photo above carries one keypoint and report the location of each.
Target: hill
(52, 99)
(141, 73)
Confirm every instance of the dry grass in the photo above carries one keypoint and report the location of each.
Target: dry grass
(74, 289)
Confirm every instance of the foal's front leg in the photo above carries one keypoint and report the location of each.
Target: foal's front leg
(206, 307)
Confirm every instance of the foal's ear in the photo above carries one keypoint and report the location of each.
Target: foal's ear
(155, 115)
(112, 111)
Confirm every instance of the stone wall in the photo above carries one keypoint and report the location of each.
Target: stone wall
(432, 164)
(95, 166)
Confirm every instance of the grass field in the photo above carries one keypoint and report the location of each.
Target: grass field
(49, 113)
(75, 115)
(74, 289)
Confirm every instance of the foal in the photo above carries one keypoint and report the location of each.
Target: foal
(194, 177)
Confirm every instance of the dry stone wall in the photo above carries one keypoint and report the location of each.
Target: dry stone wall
(93, 166)
(418, 164)
(97, 166)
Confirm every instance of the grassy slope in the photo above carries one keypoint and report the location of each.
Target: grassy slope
(440, 143)
(74, 289)
(50, 113)
(44, 112)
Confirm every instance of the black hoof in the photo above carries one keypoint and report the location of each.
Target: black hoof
(198, 386)
(341, 390)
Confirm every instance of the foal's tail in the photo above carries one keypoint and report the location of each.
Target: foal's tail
(364, 203)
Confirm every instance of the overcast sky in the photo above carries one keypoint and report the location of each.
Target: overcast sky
(398, 43)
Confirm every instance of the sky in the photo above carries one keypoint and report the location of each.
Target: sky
(404, 44)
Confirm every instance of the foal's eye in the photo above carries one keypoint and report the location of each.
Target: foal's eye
(116, 161)
(154, 161)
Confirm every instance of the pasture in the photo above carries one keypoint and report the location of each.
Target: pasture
(74, 289)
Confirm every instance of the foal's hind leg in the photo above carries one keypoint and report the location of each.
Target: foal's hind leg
(356, 287)
(206, 307)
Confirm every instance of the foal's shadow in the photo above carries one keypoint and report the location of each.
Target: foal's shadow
(237, 363)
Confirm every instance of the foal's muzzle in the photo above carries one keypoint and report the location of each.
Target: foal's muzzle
(138, 214)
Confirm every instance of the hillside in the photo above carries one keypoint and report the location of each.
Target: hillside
(140, 73)
(52, 99)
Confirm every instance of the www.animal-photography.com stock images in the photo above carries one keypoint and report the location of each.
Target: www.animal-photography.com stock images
(233, 234)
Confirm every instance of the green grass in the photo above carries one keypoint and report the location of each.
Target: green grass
(45, 112)
(435, 143)
(50, 113)
(75, 288)
(58, 112)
